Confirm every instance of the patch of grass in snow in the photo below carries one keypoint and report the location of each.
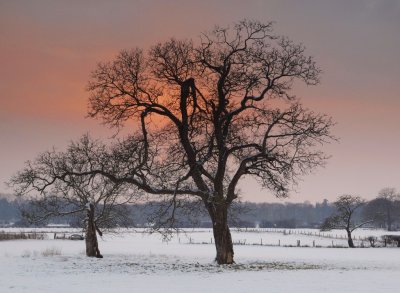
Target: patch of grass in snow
(261, 266)
(51, 251)
(146, 267)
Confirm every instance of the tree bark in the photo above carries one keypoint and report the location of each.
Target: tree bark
(350, 240)
(222, 234)
(92, 246)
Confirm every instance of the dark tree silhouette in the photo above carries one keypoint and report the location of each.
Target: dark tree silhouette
(343, 217)
(208, 114)
(53, 191)
(212, 113)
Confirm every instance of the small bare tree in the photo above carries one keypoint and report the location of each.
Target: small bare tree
(55, 195)
(343, 217)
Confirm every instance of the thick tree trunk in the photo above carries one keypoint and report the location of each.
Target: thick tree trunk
(222, 234)
(92, 246)
(350, 240)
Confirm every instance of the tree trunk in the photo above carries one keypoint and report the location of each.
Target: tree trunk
(92, 247)
(350, 240)
(222, 234)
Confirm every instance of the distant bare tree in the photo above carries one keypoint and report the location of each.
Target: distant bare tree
(343, 217)
(385, 208)
(52, 195)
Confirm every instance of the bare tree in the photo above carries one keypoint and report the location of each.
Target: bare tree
(384, 209)
(54, 191)
(343, 217)
(209, 114)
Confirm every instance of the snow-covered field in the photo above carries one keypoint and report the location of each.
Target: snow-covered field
(139, 262)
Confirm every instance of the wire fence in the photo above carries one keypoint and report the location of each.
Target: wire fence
(316, 240)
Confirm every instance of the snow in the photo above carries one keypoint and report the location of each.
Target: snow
(139, 262)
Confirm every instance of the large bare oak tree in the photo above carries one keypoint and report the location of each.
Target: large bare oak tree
(212, 112)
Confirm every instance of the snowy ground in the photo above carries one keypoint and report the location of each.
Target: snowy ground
(138, 262)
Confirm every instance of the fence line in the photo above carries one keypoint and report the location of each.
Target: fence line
(300, 232)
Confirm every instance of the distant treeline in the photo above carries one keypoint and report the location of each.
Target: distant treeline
(246, 214)
(193, 215)
(9, 211)
(285, 215)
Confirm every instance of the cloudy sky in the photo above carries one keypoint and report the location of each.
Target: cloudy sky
(48, 49)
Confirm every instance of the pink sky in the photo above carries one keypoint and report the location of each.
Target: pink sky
(48, 49)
